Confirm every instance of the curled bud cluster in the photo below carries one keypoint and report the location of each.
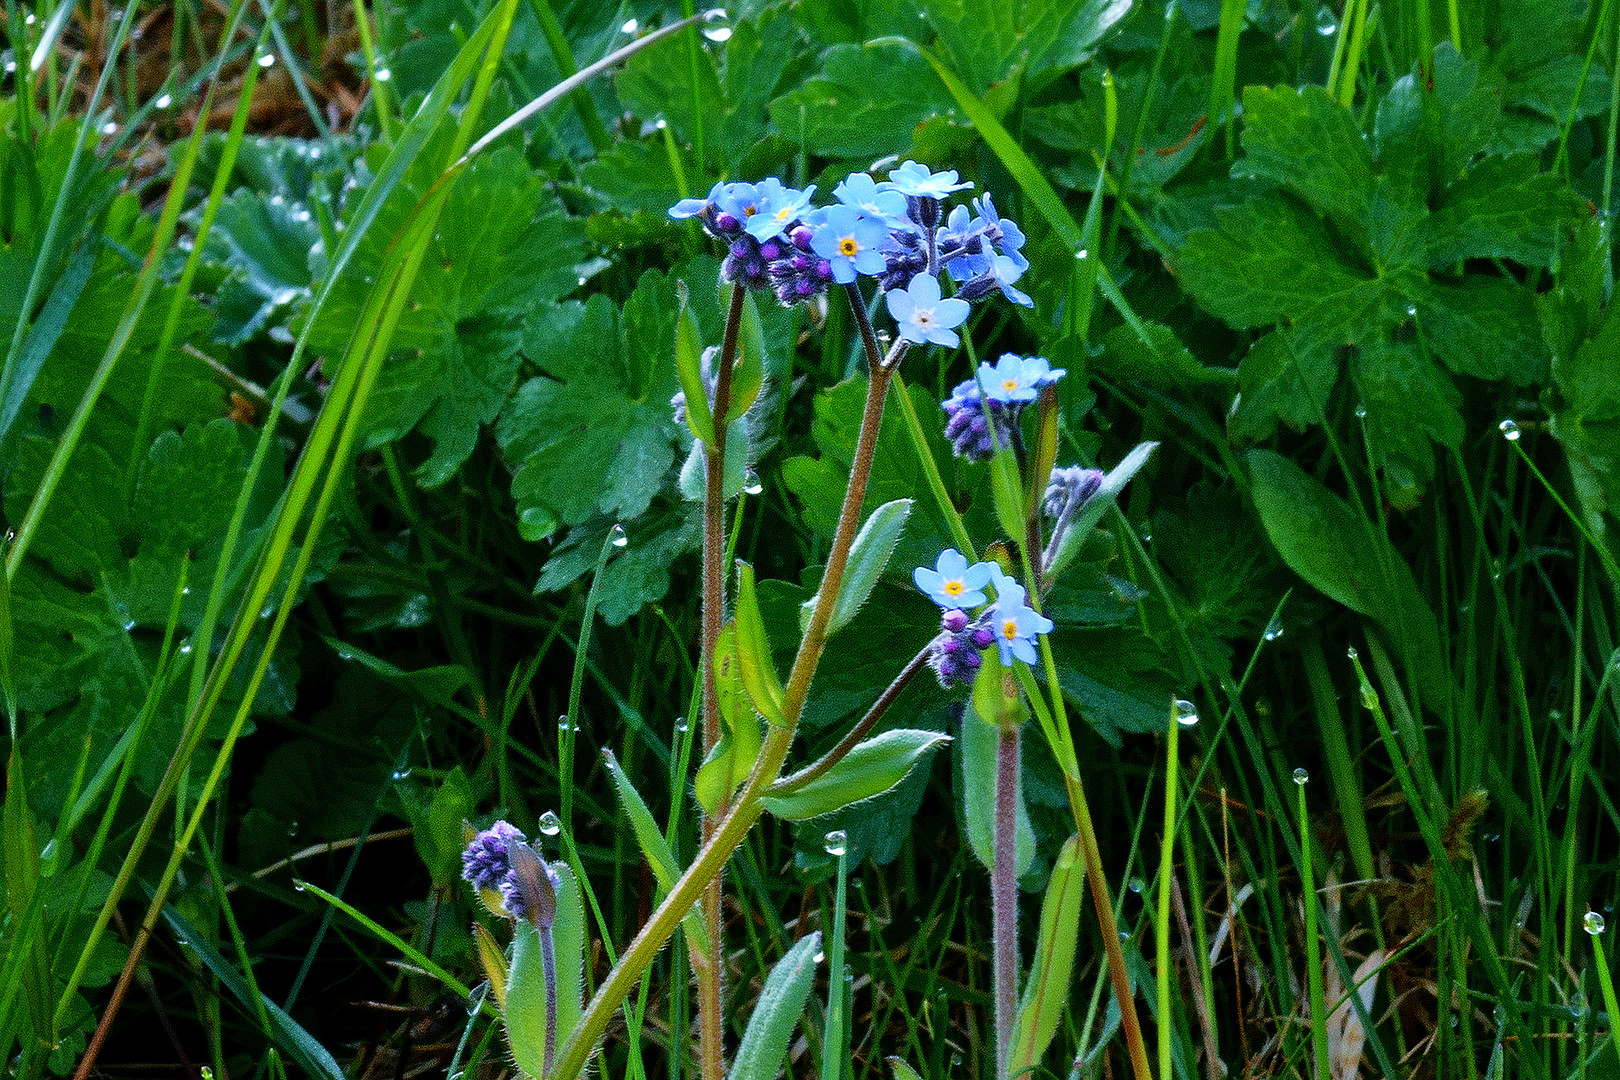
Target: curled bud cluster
(1074, 484)
(889, 230)
(981, 415)
(487, 865)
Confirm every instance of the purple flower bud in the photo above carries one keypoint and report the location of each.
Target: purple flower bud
(955, 620)
(1073, 483)
(951, 645)
(803, 263)
(770, 250)
(972, 659)
(742, 247)
(486, 860)
(726, 223)
(983, 638)
(801, 237)
(824, 270)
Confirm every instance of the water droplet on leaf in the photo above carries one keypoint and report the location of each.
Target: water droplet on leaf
(836, 842)
(751, 483)
(1186, 713)
(1593, 923)
(630, 26)
(1509, 430)
(619, 538)
(1301, 777)
(550, 823)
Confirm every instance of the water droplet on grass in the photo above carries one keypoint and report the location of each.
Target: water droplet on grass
(1351, 652)
(1186, 713)
(619, 538)
(630, 27)
(1593, 923)
(267, 60)
(1301, 777)
(1509, 430)
(382, 75)
(1274, 629)
(163, 101)
(836, 842)
(716, 29)
(751, 482)
(550, 823)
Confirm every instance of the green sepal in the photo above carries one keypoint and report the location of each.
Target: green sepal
(754, 649)
(493, 961)
(868, 558)
(1046, 994)
(656, 849)
(728, 764)
(525, 1009)
(689, 367)
(869, 770)
(777, 1011)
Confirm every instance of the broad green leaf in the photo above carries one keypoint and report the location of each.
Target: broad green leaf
(974, 775)
(1502, 208)
(1326, 543)
(868, 558)
(776, 1012)
(865, 99)
(1486, 327)
(871, 768)
(1304, 140)
(639, 574)
(525, 1010)
(263, 242)
(438, 836)
(1409, 403)
(986, 41)
(1116, 677)
(1046, 991)
(1166, 364)
(656, 849)
(1588, 421)
(689, 368)
(1467, 115)
(754, 649)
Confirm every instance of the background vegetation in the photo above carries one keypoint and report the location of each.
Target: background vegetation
(299, 563)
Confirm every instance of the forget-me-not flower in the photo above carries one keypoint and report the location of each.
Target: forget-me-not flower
(862, 192)
(922, 315)
(952, 583)
(1016, 378)
(775, 207)
(914, 179)
(1014, 622)
(848, 241)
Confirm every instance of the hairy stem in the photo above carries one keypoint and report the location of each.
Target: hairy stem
(733, 822)
(857, 733)
(1004, 895)
(706, 968)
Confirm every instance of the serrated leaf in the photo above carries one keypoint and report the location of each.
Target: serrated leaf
(1046, 991)
(1326, 543)
(1116, 677)
(868, 557)
(1588, 423)
(1485, 327)
(1502, 208)
(1304, 140)
(639, 574)
(1164, 364)
(985, 41)
(777, 1012)
(865, 97)
(1409, 403)
(871, 768)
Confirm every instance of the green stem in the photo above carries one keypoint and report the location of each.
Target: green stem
(1167, 854)
(1313, 955)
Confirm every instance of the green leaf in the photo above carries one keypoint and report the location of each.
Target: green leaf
(870, 769)
(1304, 140)
(902, 1071)
(777, 1012)
(1115, 676)
(689, 368)
(1341, 554)
(526, 988)
(263, 242)
(1502, 208)
(865, 99)
(986, 41)
(974, 773)
(754, 648)
(1046, 992)
(438, 834)
(1467, 112)
(1107, 493)
(1162, 362)
(1409, 402)
(1587, 421)
(656, 849)
(868, 557)
(731, 760)
(1485, 327)
(639, 574)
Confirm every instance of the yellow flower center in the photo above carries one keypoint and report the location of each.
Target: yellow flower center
(953, 588)
(1009, 629)
(847, 247)
(1009, 385)
(750, 211)
(784, 213)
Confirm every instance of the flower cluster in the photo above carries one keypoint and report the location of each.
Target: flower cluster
(1007, 622)
(889, 230)
(486, 864)
(981, 414)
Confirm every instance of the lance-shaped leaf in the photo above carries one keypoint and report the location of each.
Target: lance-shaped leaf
(902, 1071)
(748, 372)
(780, 1005)
(1098, 504)
(689, 368)
(870, 769)
(1047, 991)
(754, 649)
(493, 961)
(728, 764)
(976, 760)
(525, 1009)
(868, 558)
(656, 849)
(1043, 454)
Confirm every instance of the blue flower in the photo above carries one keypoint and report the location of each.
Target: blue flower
(862, 192)
(1002, 232)
(1004, 270)
(688, 208)
(914, 179)
(849, 242)
(487, 859)
(1014, 622)
(921, 315)
(953, 583)
(775, 207)
(1015, 379)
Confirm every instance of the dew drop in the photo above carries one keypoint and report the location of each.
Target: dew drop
(1361, 412)
(185, 647)
(1325, 23)
(1274, 629)
(163, 101)
(550, 824)
(129, 624)
(819, 957)
(1186, 712)
(402, 774)
(1351, 652)
(109, 128)
(1593, 923)
(1369, 697)
(1301, 777)
(267, 60)
(681, 726)
(292, 828)
(30, 19)
(751, 482)
(836, 842)
(630, 27)
(1136, 885)
(298, 886)
(11, 66)
(1509, 430)
(716, 29)
(1080, 255)
(185, 590)
(475, 999)
(382, 75)
(619, 538)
